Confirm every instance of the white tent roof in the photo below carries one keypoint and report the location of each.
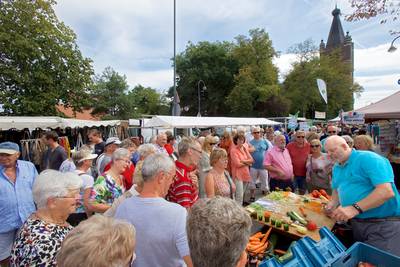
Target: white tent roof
(20, 123)
(192, 122)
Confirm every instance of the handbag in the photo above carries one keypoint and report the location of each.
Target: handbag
(227, 176)
(317, 179)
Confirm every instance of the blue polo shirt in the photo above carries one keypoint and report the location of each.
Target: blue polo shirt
(261, 146)
(357, 178)
(16, 200)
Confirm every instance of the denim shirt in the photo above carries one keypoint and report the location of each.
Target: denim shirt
(16, 199)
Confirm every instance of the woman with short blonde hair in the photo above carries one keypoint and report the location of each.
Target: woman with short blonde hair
(364, 142)
(99, 241)
(204, 163)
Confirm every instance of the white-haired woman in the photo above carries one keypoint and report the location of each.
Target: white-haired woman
(144, 150)
(40, 237)
(110, 186)
(83, 160)
(99, 241)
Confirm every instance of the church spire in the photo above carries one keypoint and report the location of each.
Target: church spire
(336, 34)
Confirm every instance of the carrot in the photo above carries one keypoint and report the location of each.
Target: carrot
(261, 249)
(267, 214)
(265, 238)
(279, 252)
(302, 211)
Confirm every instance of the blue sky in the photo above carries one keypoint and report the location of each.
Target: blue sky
(135, 37)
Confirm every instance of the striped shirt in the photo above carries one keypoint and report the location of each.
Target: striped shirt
(183, 191)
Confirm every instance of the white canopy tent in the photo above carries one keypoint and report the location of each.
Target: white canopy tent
(20, 123)
(202, 122)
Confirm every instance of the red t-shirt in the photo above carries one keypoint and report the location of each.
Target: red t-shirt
(127, 175)
(169, 148)
(299, 157)
(183, 191)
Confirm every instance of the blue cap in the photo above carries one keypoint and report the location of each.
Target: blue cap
(9, 148)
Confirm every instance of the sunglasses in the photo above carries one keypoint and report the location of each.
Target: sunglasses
(301, 136)
(256, 132)
(315, 146)
(332, 132)
(213, 144)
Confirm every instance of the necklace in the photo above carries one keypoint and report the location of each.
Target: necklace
(47, 219)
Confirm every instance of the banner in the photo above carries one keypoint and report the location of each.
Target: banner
(304, 126)
(322, 90)
(292, 124)
(320, 115)
(353, 117)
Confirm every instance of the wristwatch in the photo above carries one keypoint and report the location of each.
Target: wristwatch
(357, 208)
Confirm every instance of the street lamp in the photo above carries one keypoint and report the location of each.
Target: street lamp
(392, 48)
(198, 95)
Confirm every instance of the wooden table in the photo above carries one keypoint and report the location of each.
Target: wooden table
(279, 208)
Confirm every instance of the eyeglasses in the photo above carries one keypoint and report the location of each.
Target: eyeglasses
(195, 149)
(301, 136)
(315, 146)
(213, 144)
(127, 161)
(256, 132)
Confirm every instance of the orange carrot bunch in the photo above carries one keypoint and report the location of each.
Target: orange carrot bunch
(258, 243)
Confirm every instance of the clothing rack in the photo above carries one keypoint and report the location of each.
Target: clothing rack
(33, 150)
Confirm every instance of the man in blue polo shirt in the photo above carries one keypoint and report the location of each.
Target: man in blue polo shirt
(364, 192)
(16, 200)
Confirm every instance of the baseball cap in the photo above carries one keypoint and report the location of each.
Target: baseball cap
(9, 148)
(113, 140)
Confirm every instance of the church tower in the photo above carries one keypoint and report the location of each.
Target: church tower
(337, 40)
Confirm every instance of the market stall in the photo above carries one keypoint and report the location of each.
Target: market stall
(202, 122)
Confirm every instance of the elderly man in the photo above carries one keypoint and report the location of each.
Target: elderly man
(184, 189)
(112, 143)
(161, 141)
(218, 231)
(364, 192)
(257, 171)
(56, 154)
(331, 130)
(279, 165)
(299, 151)
(16, 181)
(161, 239)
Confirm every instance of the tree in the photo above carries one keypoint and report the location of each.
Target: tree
(213, 63)
(366, 9)
(148, 101)
(301, 89)
(256, 85)
(40, 63)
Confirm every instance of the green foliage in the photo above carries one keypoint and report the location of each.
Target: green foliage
(300, 85)
(211, 63)
(256, 84)
(40, 62)
(113, 100)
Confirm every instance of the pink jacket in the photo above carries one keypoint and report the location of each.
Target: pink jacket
(239, 171)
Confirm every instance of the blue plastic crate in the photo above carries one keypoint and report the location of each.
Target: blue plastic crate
(309, 253)
(366, 253)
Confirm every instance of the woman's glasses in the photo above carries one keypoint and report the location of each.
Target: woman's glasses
(315, 146)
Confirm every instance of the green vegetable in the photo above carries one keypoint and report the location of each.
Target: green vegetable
(288, 254)
(278, 223)
(266, 219)
(286, 227)
(300, 229)
(273, 222)
(296, 217)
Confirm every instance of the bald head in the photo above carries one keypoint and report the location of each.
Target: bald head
(161, 139)
(337, 148)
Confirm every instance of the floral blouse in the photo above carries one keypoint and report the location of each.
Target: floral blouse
(37, 243)
(105, 190)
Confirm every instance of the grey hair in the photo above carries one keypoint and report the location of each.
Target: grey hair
(226, 227)
(120, 153)
(185, 144)
(155, 164)
(146, 150)
(277, 137)
(52, 183)
(349, 140)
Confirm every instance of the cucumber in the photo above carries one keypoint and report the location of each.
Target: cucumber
(296, 217)
(286, 227)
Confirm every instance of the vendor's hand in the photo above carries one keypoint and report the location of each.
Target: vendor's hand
(344, 213)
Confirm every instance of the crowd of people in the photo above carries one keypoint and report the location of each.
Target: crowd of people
(114, 203)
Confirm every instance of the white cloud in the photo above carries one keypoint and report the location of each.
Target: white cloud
(160, 79)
